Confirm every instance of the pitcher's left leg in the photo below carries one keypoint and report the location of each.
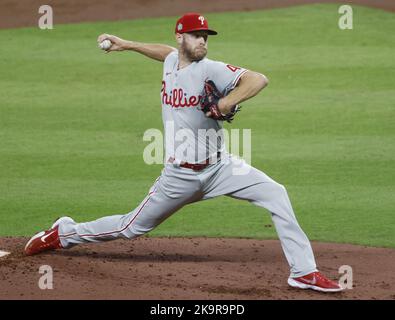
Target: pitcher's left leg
(239, 180)
(296, 246)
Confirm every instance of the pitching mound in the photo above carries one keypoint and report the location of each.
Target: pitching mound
(188, 268)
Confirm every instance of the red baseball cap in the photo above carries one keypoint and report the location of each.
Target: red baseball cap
(193, 22)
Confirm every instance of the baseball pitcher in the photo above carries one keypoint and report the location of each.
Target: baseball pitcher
(196, 94)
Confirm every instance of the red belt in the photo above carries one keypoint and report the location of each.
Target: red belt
(196, 166)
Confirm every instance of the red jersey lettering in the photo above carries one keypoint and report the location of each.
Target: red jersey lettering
(178, 98)
(233, 68)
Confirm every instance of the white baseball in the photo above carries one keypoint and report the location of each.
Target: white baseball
(104, 45)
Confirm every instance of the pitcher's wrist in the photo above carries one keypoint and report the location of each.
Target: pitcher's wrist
(223, 106)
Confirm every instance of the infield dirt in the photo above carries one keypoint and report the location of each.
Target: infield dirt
(188, 268)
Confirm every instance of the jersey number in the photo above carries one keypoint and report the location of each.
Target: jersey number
(233, 68)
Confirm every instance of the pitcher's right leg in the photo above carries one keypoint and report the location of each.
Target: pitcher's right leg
(172, 190)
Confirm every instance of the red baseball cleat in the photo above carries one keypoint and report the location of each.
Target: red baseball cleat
(44, 240)
(316, 281)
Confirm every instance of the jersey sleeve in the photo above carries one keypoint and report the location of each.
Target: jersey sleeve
(225, 76)
(169, 63)
(171, 57)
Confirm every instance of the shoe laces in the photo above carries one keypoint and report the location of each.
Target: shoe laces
(321, 277)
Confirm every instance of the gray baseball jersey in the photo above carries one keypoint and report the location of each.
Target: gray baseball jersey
(178, 186)
(185, 124)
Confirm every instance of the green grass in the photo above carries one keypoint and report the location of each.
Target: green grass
(72, 121)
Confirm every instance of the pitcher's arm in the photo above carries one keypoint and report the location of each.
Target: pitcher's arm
(249, 85)
(152, 50)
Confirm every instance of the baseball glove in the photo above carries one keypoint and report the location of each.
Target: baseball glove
(211, 96)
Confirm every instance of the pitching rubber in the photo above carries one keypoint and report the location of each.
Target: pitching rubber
(4, 253)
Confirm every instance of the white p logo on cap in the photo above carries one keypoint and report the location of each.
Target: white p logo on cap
(201, 18)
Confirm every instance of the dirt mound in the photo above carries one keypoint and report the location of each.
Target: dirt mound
(188, 269)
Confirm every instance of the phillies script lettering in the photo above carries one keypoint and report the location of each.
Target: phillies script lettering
(177, 98)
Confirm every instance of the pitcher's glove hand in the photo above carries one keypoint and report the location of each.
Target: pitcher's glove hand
(211, 96)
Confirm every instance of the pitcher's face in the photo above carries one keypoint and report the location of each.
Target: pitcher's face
(194, 45)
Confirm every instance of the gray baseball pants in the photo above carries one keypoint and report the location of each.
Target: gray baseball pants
(177, 187)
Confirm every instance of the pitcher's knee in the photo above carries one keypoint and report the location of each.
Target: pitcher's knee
(272, 191)
(279, 190)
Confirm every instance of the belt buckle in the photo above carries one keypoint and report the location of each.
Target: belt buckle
(194, 166)
(199, 166)
(206, 163)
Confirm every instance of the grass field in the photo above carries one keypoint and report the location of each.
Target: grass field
(72, 121)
